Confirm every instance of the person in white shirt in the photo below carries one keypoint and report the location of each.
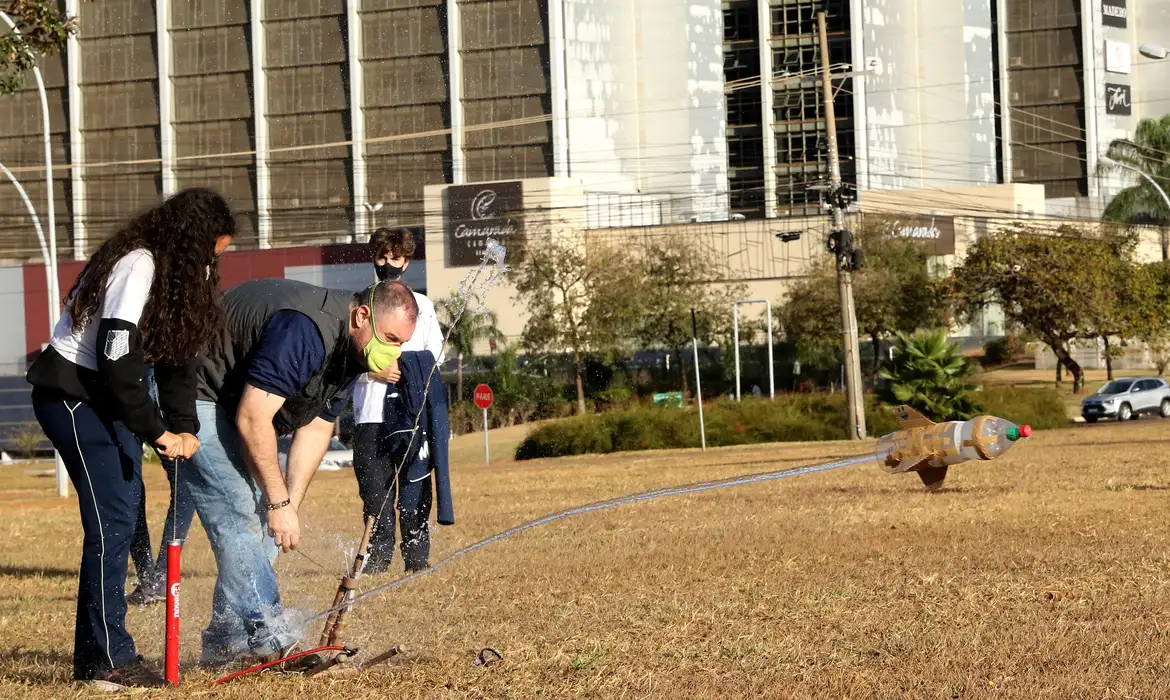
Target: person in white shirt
(392, 250)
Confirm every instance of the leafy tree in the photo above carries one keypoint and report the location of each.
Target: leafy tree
(43, 30)
(929, 374)
(810, 315)
(472, 327)
(580, 298)
(1152, 316)
(1119, 309)
(1045, 280)
(1149, 152)
(681, 274)
(893, 292)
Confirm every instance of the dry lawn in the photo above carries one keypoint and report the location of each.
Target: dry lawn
(1043, 575)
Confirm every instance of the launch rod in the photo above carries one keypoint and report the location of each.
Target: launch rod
(332, 634)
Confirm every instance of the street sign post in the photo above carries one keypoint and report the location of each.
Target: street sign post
(483, 398)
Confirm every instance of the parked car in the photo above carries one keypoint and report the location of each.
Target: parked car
(1128, 398)
(337, 457)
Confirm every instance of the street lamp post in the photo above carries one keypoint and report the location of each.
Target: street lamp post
(51, 257)
(32, 213)
(51, 262)
(1152, 181)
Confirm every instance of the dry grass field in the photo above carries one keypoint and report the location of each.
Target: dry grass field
(1042, 575)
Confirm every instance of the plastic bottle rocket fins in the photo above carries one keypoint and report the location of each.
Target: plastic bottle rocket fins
(929, 448)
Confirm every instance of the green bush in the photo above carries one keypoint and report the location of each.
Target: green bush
(1002, 351)
(790, 418)
(1043, 409)
(928, 374)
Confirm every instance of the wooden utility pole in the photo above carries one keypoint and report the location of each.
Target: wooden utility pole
(843, 250)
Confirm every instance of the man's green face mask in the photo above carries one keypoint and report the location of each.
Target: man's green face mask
(379, 354)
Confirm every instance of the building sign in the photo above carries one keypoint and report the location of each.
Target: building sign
(1117, 99)
(937, 231)
(1118, 58)
(476, 213)
(1114, 13)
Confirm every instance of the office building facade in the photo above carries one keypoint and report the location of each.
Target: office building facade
(310, 114)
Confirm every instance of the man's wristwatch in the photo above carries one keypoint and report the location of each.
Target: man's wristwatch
(277, 506)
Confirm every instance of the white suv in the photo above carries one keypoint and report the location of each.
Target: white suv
(1128, 398)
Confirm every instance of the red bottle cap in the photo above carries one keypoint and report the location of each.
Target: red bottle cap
(1026, 431)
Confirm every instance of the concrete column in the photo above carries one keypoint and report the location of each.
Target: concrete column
(767, 115)
(455, 91)
(166, 96)
(1004, 94)
(260, 125)
(560, 88)
(357, 118)
(861, 134)
(1093, 45)
(76, 142)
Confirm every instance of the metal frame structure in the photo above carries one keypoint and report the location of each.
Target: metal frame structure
(771, 343)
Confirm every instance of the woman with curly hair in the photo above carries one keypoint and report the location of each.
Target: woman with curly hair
(147, 296)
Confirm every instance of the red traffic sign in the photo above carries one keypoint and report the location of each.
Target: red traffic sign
(483, 396)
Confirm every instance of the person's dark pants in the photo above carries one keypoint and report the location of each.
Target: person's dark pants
(152, 573)
(104, 461)
(374, 466)
(140, 546)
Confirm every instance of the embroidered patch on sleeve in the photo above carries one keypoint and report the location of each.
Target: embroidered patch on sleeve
(117, 345)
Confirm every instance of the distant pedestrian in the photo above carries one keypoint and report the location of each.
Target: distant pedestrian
(375, 464)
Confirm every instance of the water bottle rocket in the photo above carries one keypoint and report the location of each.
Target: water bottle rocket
(929, 448)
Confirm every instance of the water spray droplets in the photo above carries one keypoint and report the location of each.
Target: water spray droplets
(492, 260)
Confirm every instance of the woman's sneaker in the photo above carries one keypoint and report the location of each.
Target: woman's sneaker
(136, 674)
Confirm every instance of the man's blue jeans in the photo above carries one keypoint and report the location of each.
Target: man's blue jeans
(246, 612)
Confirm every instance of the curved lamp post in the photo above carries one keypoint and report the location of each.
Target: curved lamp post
(50, 210)
(1109, 161)
(51, 253)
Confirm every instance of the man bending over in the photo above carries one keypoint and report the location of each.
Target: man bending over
(284, 364)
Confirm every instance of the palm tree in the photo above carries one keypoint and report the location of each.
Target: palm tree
(1149, 152)
(473, 326)
(928, 374)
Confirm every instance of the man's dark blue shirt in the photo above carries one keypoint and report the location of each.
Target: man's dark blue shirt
(289, 353)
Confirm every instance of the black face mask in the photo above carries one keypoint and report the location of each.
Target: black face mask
(386, 271)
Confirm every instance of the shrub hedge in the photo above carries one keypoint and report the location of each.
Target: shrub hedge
(790, 418)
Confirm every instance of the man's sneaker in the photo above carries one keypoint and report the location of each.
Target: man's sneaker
(136, 674)
(146, 594)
